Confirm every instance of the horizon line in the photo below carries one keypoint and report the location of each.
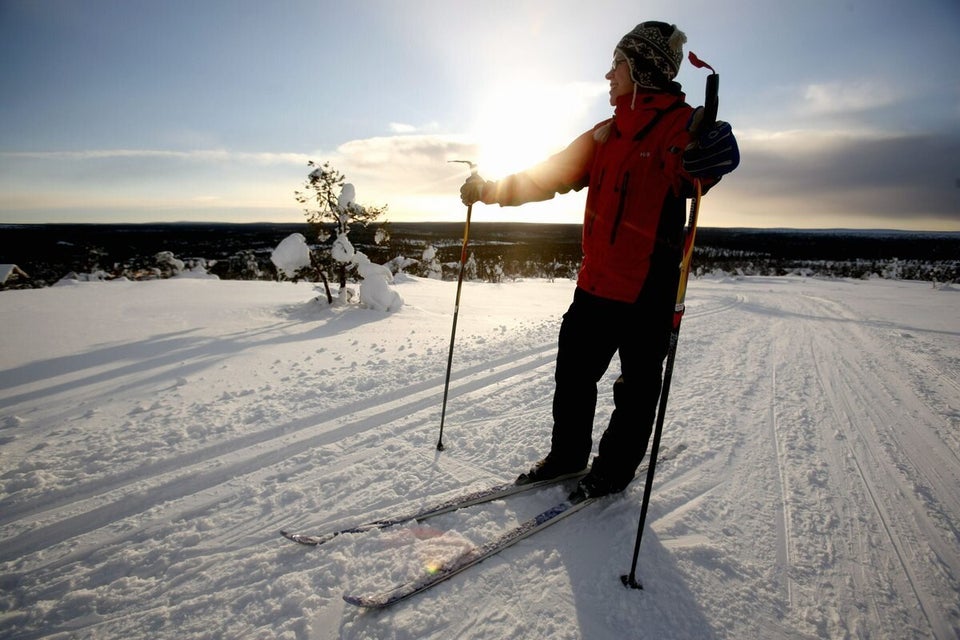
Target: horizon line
(472, 223)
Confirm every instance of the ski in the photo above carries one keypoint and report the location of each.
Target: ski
(468, 559)
(446, 506)
(480, 553)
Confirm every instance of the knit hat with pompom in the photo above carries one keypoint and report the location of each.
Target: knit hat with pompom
(654, 51)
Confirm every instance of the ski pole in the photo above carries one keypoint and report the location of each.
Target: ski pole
(711, 103)
(456, 307)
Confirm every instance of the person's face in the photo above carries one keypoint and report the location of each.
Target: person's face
(619, 76)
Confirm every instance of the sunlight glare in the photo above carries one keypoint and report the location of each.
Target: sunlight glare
(522, 124)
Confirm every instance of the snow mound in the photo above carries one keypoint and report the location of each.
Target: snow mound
(291, 255)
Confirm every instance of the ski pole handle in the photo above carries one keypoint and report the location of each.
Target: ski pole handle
(473, 165)
(711, 100)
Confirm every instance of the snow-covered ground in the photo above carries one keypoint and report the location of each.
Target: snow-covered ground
(155, 436)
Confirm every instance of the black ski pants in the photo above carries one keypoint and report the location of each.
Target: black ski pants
(592, 331)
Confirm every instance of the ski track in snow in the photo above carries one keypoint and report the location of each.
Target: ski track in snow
(154, 437)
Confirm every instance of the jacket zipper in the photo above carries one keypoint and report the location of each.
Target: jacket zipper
(593, 214)
(620, 207)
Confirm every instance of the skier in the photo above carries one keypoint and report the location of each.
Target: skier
(639, 167)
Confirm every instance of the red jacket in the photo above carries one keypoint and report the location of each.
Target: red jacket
(635, 206)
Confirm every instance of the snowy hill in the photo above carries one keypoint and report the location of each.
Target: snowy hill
(155, 436)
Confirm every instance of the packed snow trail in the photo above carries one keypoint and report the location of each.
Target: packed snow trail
(862, 481)
(155, 435)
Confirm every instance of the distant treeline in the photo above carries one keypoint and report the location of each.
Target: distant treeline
(49, 252)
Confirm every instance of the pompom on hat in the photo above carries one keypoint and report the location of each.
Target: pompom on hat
(654, 51)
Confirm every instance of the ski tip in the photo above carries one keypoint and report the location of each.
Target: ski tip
(312, 541)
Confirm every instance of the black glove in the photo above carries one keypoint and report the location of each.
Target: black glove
(472, 190)
(715, 153)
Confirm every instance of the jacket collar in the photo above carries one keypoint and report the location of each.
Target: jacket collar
(629, 121)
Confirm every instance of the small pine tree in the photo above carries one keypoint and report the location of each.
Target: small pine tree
(328, 204)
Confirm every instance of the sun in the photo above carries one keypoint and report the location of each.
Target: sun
(520, 124)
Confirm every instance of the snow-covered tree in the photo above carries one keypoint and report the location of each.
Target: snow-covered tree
(470, 268)
(329, 203)
(291, 256)
(431, 266)
(169, 265)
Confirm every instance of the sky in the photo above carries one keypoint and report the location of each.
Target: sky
(847, 112)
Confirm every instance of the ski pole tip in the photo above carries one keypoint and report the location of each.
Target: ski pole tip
(630, 581)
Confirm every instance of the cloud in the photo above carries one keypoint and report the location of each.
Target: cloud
(889, 177)
(148, 180)
(197, 155)
(849, 97)
(796, 178)
(403, 128)
(414, 163)
(382, 167)
(399, 127)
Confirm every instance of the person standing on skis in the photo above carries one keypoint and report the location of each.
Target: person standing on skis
(639, 167)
